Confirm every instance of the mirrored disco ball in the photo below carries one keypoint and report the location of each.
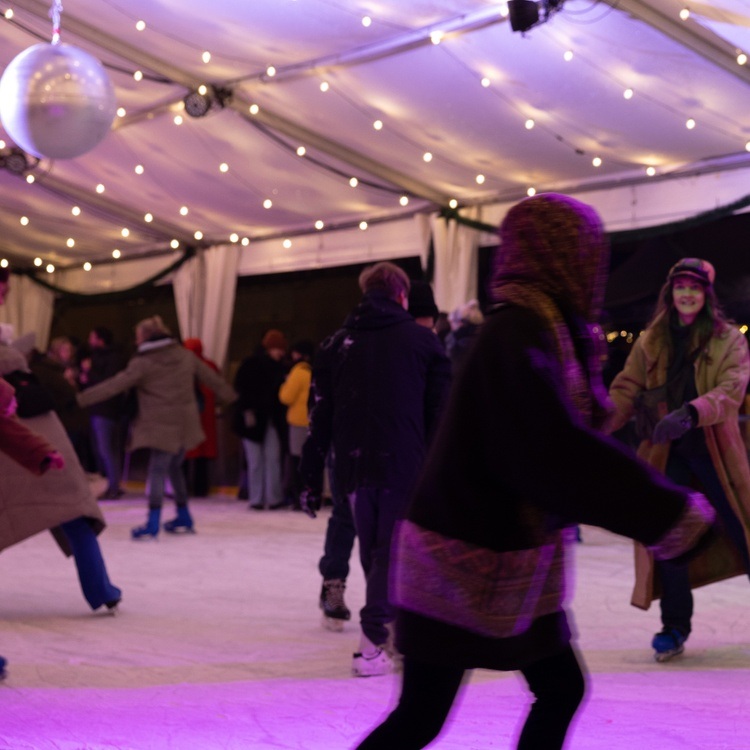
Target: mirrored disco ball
(56, 101)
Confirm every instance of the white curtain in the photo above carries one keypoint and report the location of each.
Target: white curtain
(456, 257)
(204, 291)
(425, 232)
(28, 308)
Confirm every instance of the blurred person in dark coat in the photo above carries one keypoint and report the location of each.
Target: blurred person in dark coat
(480, 565)
(105, 360)
(260, 420)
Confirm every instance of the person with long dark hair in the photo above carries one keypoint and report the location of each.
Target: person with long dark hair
(685, 379)
(479, 573)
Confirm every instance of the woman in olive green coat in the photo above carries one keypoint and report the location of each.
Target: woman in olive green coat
(163, 374)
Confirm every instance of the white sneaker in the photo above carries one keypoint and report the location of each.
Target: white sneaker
(372, 666)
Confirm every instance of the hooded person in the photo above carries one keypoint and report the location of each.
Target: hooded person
(378, 388)
(685, 380)
(480, 567)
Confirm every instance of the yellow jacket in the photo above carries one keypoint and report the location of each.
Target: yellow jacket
(294, 392)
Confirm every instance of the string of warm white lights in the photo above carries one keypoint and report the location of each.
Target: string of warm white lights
(8, 15)
(268, 75)
(629, 93)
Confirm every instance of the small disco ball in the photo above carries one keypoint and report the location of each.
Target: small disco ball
(56, 101)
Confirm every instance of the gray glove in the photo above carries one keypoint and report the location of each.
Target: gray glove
(674, 425)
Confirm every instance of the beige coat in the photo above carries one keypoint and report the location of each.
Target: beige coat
(163, 374)
(721, 377)
(30, 504)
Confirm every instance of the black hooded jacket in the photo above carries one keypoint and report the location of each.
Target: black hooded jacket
(378, 386)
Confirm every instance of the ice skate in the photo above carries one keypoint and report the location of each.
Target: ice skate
(181, 524)
(667, 644)
(372, 661)
(150, 529)
(335, 612)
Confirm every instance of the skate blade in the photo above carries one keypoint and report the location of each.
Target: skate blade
(335, 626)
(667, 655)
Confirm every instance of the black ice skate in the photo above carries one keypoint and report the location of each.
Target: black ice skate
(335, 612)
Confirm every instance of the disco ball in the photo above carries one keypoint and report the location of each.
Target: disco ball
(56, 101)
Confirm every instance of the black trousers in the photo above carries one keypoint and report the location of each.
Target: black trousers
(429, 690)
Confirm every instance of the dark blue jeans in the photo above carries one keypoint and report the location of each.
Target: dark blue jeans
(375, 514)
(160, 466)
(677, 596)
(107, 434)
(92, 573)
(340, 536)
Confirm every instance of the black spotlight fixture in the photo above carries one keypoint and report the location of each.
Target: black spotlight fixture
(204, 99)
(524, 14)
(17, 162)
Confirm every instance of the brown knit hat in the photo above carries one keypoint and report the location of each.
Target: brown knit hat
(274, 339)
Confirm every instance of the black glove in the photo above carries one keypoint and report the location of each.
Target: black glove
(310, 502)
(674, 425)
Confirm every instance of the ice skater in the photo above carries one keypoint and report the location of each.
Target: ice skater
(479, 572)
(685, 379)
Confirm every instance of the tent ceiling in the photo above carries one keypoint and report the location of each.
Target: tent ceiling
(429, 98)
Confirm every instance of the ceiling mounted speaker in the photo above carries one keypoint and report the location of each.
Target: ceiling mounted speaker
(200, 102)
(16, 162)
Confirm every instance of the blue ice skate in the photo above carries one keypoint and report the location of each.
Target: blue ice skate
(667, 644)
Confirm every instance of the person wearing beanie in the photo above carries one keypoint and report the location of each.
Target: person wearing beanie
(260, 420)
(684, 381)
(422, 305)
